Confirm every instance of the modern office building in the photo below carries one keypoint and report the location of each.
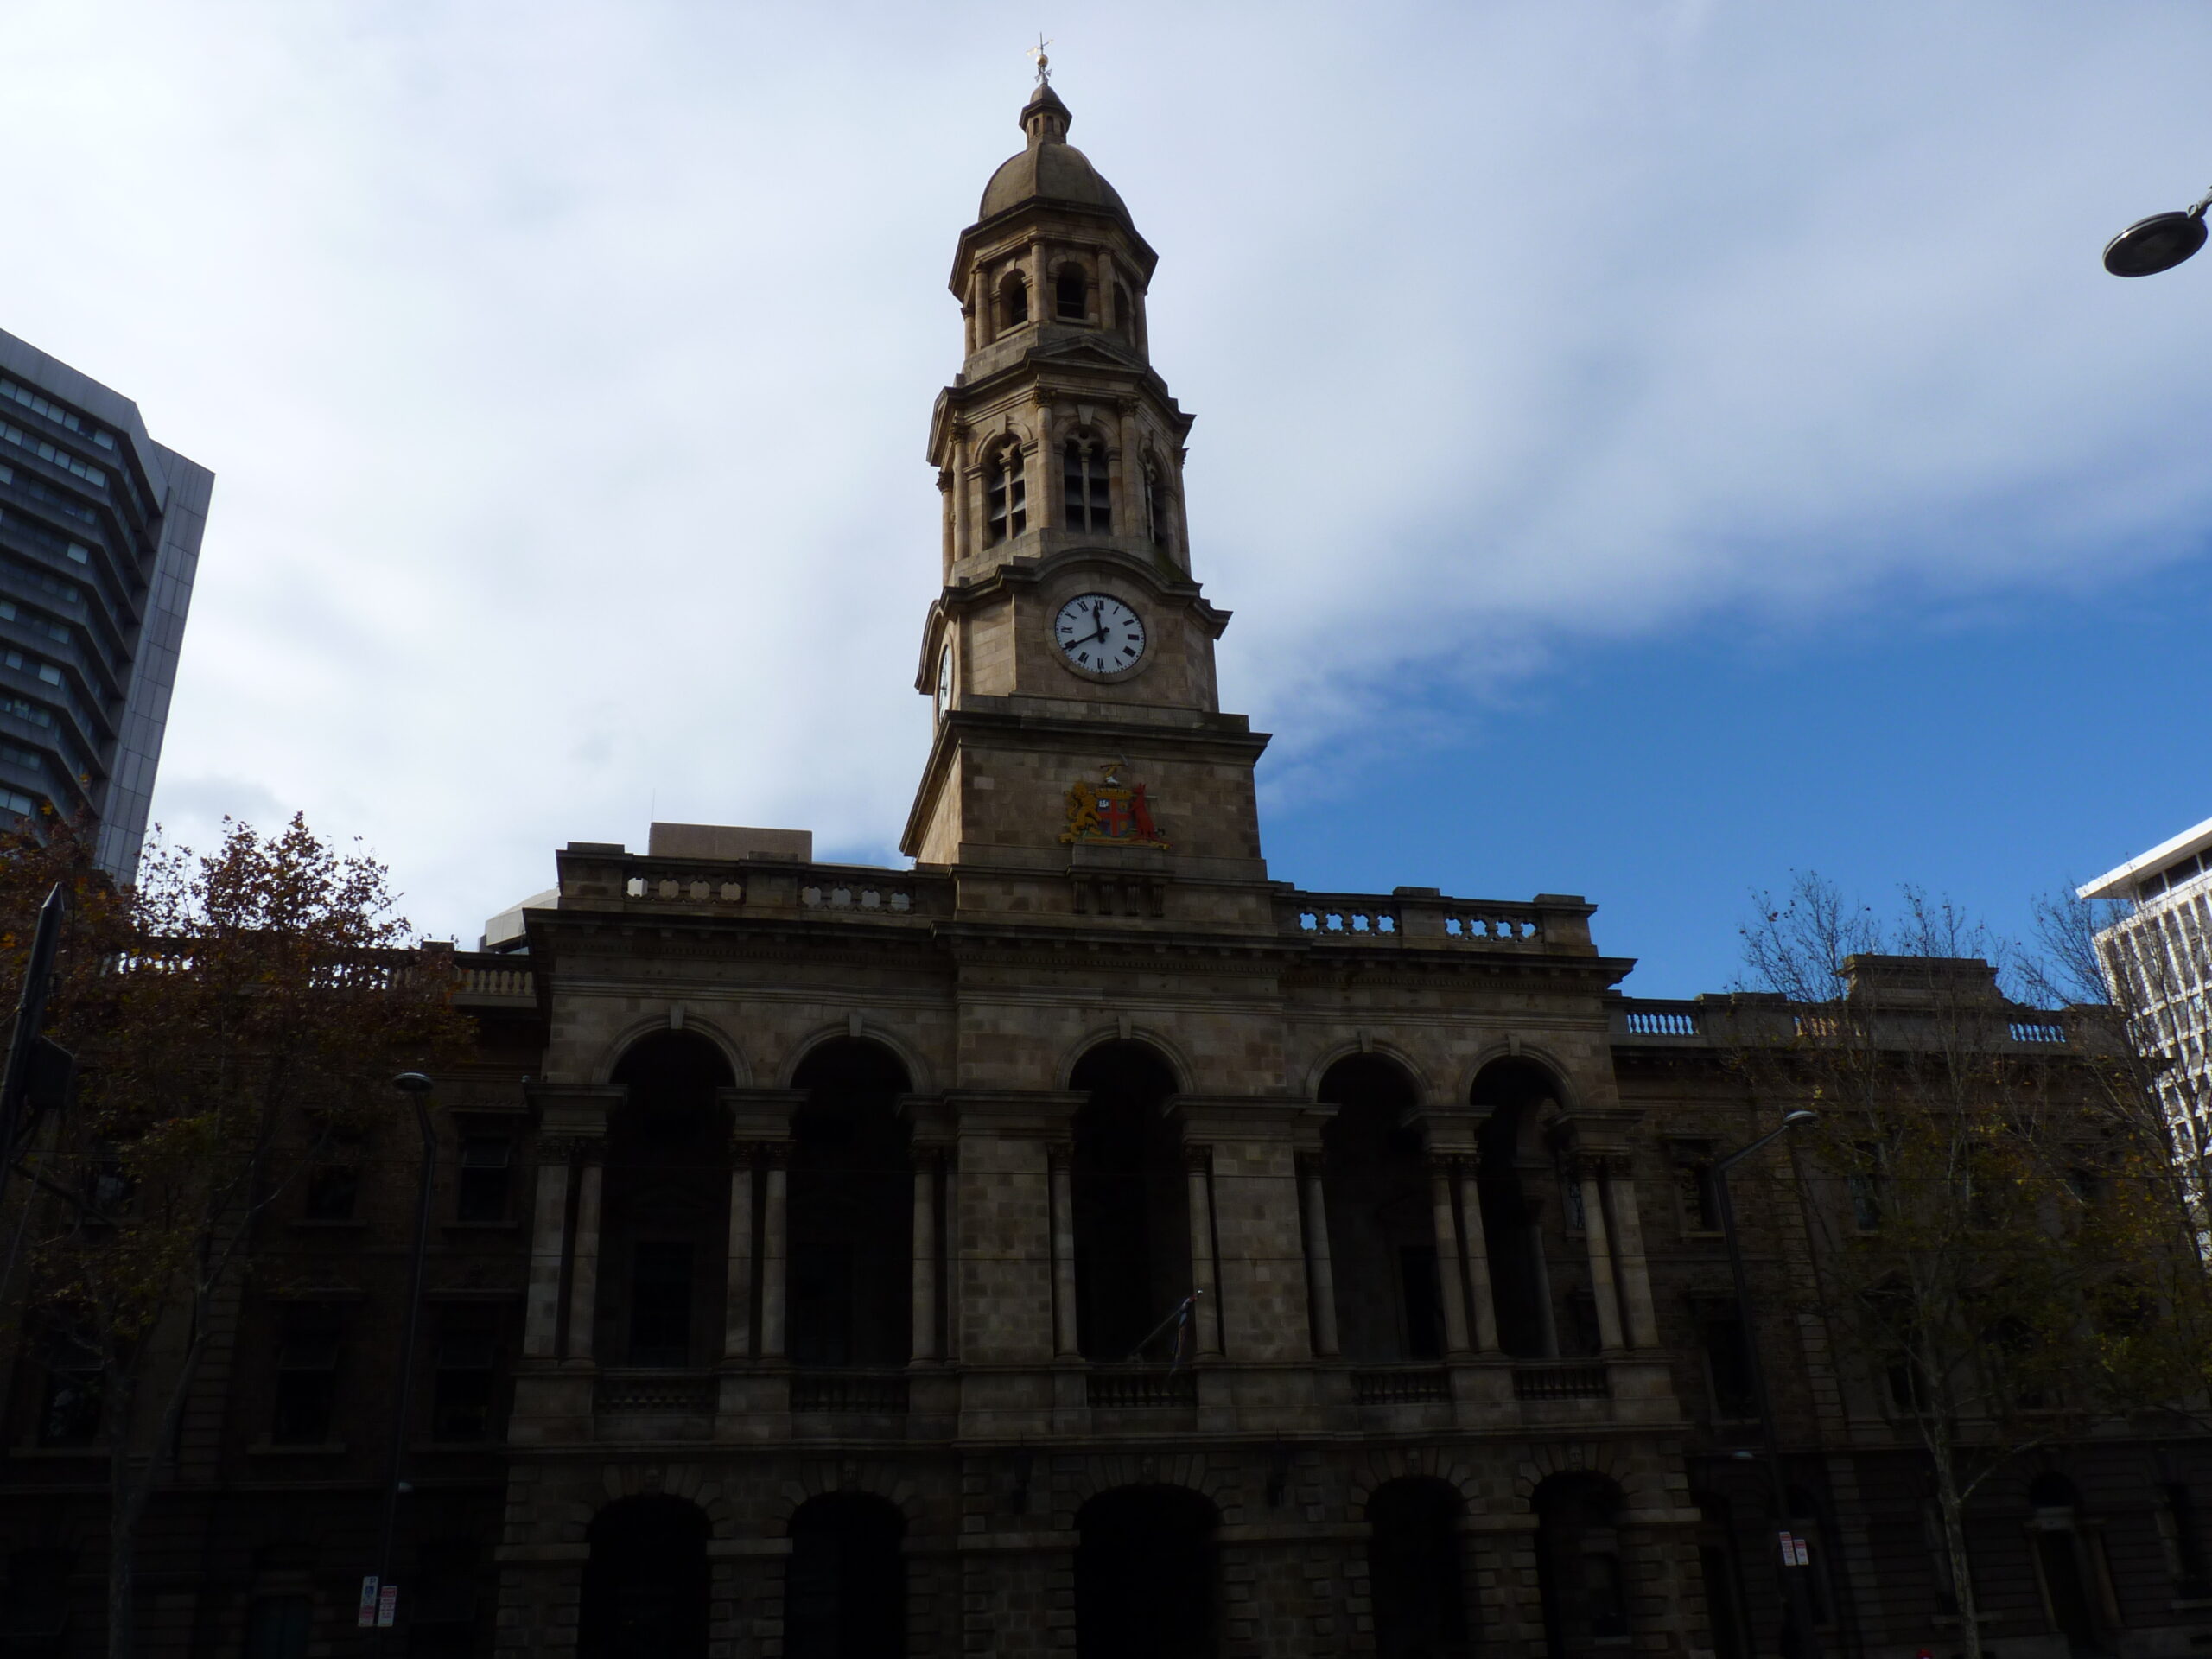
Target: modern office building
(99, 544)
(2158, 959)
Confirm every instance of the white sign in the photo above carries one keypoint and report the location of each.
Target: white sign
(388, 1604)
(366, 1616)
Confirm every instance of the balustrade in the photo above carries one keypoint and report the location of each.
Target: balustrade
(1402, 1385)
(1140, 1388)
(656, 1392)
(681, 886)
(1561, 1380)
(1663, 1019)
(1494, 925)
(858, 893)
(849, 1391)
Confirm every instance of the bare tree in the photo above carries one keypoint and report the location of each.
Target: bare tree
(228, 1015)
(1960, 1189)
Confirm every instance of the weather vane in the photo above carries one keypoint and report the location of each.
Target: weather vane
(1044, 64)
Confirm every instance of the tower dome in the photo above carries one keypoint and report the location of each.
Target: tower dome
(1050, 168)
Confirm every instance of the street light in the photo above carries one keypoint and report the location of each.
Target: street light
(416, 1088)
(2158, 243)
(1794, 1573)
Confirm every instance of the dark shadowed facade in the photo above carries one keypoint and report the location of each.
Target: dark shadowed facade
(1081, 1243)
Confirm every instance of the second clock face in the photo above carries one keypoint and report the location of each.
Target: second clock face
(1098, 635)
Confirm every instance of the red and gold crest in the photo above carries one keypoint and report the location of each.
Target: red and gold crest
(1111, 811)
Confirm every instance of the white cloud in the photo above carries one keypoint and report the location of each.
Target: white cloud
(565, 367)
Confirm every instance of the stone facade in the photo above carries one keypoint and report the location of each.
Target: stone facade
(1080, 1243)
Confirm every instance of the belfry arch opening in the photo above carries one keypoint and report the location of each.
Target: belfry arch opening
(1070, 294)
(852, 1210)
(1382, 1230)
(1132, 1226)
(1013, 300)
(1145, 1573)
(645, 1582)
(662, 1256)
(1517, 1192)
(845, 1582)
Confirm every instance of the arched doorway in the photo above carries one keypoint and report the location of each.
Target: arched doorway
(845, 1586)
(645, 1591)
(1720, 1564)
(852, 1210)
(1579, 1565)
(1382, 1226)
(1414, 1576)
(1523, 1228)
(663, 1240)
(1132, 1209)
(1145, 1575)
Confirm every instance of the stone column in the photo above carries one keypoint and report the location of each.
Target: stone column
(775, 1248)
(1321, 1270)
(927, 1160)
(1479, 1296)
(1547, 1315)
(737, 1300)
(1447, 1254)
(549, 1239)
(1130, 504)
(1588, 1173)
(1205, 1315)
(1642, 1318)
(583, 1272)
(1065, 1341)
(1045, 506)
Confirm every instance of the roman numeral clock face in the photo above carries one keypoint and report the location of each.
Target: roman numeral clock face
(1098, 635)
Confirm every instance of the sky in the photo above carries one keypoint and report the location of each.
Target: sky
(1649, 448)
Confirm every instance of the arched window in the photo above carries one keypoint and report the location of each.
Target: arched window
(1144, 1576)
(664, 1250)
(1413, 1573)
(1156, 508)
(1006, 494)
(1013, 300)
(845, 1585)
(1381, 1227)
(852, 1210)
(1087, 494)
(1578, 1574)
(645, 1591)
(1132, 1208)
(1070, 294)
(1125, 317)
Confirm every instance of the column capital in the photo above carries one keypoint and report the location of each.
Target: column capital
(572, 1148)
(1197, 1158)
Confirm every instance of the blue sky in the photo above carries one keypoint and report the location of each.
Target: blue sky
(1649, 447)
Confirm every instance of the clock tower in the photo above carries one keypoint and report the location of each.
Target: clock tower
(1081, 763)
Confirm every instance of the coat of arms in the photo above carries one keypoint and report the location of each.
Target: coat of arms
(1112, 811)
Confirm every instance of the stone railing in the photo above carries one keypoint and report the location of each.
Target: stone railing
(1402, 1385)
(496, 977)
(594, 877)
(675, 1392)
(1493, 924)
(682, 884)
(1650, 1017)
(870, 1391)
(1559, 1379)
(1421, 918)
(1141, 1387)
(883, 895)
(2039, 1031)
(1352, 917)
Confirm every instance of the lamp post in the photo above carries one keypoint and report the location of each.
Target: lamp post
(1794, 1575)
(416, 1088)
(2158, 243)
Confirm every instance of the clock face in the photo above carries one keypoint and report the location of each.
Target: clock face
(944, 681)
(1098, 635)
